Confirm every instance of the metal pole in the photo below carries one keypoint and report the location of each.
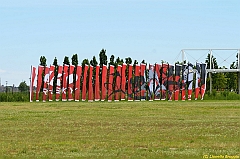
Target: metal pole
(238, 72)
(182, 56)
(6, 86)
(30, 88)
(7, 90)
(210, 73)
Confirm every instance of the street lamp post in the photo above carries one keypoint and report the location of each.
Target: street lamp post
(6, 86)
(6, 90)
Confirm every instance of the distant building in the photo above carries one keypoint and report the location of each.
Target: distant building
(2, 88)
(10, 89)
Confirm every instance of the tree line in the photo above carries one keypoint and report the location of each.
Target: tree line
(103, 60)
(220, 81)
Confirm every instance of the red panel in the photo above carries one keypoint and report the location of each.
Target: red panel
(45, 84)
(70, 83)
(84, 83)
(118, 83)
(110, 83)
(51, 80)
(177, 81)
(77, 84)
(137, 83)
(170, 82)
(97, 91)
(39, 81)
(64, 85)
(130, 93)
(164, 81)
(59, 81)
(104, 84)
(123, 82)
(90, 87)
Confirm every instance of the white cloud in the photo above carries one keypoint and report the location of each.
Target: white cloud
(2, 71)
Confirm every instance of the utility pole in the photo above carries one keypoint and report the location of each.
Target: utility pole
(12, 88)
(210, 73)
(6, 86)
(183, 56)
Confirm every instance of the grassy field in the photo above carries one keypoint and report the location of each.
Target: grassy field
(190, 129)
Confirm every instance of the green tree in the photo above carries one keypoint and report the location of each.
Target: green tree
(75, 60)
(115, 64)
(143, 61)
(234, 65)
(94, 62)
(55, 63)
(118, 61)
(232, 78)
(135, 63)
(220, 81)
(122, 61)
(23, 87)
(162, 61)
(84, 62)
(112, 60)
(102, 61)
(214, 64)
(102, 58)
(178, 62)
(214, 76)
(43, 61)
(128, 60)
(66, 60)
(75, 63)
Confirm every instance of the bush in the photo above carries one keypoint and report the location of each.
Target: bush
(224, 95)
(214, 93)
(14, 97)
(24, 96)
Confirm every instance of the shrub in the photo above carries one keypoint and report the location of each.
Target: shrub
(14, 97)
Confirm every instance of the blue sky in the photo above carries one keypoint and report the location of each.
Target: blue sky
(153, 30)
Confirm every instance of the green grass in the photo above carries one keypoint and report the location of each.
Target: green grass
(160, 129)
